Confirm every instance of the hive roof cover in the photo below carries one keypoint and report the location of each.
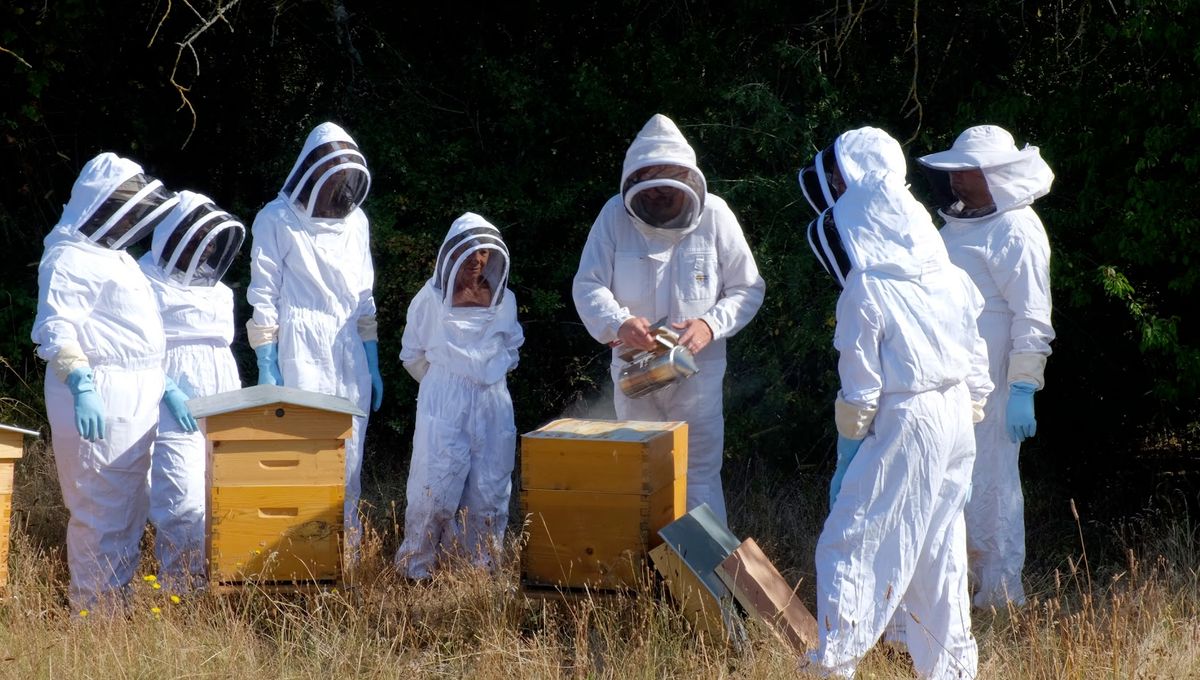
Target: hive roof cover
(608, 430)
(14, 428)
(263, 395)
(702, 541)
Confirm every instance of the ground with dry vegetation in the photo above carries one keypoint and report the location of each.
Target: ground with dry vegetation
(1136, 616)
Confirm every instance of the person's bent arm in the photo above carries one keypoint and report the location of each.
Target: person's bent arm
(742, 287)
(592, 291)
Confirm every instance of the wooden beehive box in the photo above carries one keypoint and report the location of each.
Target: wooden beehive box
(12, 447)
(275, 485)
(595, 493)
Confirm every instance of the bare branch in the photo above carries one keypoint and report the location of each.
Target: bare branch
(913, 93)
(218, 15)
(160, 23)
(16, 56)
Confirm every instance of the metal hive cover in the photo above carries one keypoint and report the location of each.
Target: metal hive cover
(14, 428)
(702, 541)
(263, 395)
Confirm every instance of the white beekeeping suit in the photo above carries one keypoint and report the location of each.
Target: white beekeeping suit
(1007, 255)
(190, 251)
(695, 265)
(913, 377)
(99, 328)
(465, 439)
(311, 276)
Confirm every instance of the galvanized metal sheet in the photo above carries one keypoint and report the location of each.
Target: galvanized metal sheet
(14, 428)
(702, 541)
(263, 395)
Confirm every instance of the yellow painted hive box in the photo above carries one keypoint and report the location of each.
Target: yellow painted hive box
(12, 447)
(275, 485)
(595, 494)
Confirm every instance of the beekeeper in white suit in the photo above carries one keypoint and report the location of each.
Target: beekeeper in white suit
(460, 342)
(666, 248)
(913, 374)
(189, 253)
(99, 329)
(992, 233)
(311, 276)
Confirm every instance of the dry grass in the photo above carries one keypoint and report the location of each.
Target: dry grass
(1136, 619)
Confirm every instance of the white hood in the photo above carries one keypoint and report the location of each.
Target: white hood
(144, 203)
(191, 226)
(661, 143)
(883, 228)
(305, 178)
(865, 150)
(478, 234)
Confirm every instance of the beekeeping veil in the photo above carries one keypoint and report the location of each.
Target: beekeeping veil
(1015, 177)
(816, 180)
(876, 225)
(197, 241)
(330, 178)
(468, 234)
(114, 204)
(826, 244)
(661, 186)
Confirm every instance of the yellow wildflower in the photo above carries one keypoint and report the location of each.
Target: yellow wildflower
(83, 613)
(155, 610)
(149, 578)
(175, 599)
(156, 586)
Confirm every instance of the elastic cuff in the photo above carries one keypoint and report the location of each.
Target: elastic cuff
(368, 328)
(977, 411)
(417, 368)
(69, 358)
(1027, 368)
(852, 421)
(261, 335)
(712, 325)
(623, 315)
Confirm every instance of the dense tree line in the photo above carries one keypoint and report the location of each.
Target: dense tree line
(522, 112)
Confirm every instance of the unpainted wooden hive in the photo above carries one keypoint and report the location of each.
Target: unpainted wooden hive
(595, 494)
(275, 486)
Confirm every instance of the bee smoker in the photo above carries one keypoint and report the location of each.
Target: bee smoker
(651, 370)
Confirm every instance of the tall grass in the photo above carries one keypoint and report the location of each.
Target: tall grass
(1137, 618)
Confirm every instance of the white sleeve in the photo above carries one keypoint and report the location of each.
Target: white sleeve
(65, 298)
(366, 298)
(415, 340)
(266, 269)
(1021, 269)
(742, 288)
(598, 308)
(979, 380)
(857, 339)
(514, 335)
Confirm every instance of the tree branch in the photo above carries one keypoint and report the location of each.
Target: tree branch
(187, 44)
(17, 57)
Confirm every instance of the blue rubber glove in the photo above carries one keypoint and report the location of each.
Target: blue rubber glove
(89, 408)
(268, 364)
(846, 450)
(176, 401)
(372, 348)
(1018, 417)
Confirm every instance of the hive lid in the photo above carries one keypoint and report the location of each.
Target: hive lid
(263, 395)
(702, 541)
(606, 430)
(14, 428)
